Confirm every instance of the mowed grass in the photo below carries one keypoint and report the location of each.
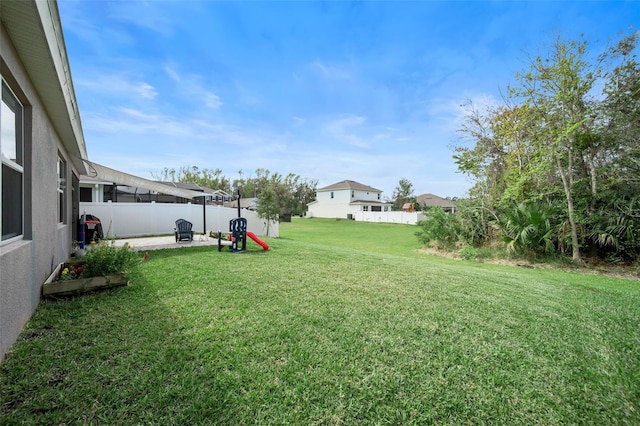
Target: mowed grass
(340, 322)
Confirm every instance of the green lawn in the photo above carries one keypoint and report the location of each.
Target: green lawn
(340, 322)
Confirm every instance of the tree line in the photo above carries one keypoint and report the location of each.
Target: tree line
(276, 194)
(555, 165)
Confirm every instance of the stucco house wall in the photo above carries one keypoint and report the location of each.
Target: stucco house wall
(325, 206)
(27, 28)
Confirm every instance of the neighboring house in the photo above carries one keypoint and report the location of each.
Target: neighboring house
(94, 190)
(427, 201)
(245, 203)
(42, 149)
(344, 199)
(217, 196)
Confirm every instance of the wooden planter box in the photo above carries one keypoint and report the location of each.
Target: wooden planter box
(54, 287)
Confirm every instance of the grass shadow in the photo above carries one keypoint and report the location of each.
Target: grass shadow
(112, 357)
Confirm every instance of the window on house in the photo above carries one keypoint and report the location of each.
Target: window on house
(11, 174)
(353, 194)
(86, 194)
(62, 190)
(365, 208)
(331, 194)
(378, 195)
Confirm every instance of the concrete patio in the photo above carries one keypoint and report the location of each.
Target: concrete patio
(166, 242)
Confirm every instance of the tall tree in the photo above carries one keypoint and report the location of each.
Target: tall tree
(268, 208)
(622, 108)
(555, 91)
(403, 193)
(619, 200)
(305, 193)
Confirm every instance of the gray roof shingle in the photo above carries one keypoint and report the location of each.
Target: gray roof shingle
(349, 184)
(431, 200)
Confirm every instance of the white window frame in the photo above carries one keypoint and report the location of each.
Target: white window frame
(61, 195)
(5, 89)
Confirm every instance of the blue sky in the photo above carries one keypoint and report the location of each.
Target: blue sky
(366, 91)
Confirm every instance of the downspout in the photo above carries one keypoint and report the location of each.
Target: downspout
(204, 215)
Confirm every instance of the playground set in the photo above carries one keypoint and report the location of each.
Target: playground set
(238, 237)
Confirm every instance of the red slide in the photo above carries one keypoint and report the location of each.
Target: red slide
(257, 240)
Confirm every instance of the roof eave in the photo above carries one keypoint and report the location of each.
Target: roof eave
(35, 30)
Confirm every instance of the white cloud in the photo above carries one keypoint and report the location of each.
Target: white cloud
(246, 96)
(136, 114)
(332, 72)
(121, 84)
(145, 90)
(128, 121)
(143, 14)
(172, 74)
(298, 120)
(182, 132)
(211, 100)
(193, 87)
(348, 129)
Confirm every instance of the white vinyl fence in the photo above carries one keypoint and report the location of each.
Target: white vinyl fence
(125, 220)
(389, 217)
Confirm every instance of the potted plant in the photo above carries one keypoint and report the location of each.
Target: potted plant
(103, 265)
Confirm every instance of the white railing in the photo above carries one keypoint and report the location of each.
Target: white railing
(125, 220)
(389, 217)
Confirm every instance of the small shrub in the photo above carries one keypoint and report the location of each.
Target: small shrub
(105, 258)
(438, 229)
(469, 253)
(529, 228)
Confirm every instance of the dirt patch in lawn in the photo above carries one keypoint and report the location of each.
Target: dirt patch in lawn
(589, 266)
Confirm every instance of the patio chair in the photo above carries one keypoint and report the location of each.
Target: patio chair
(183, 230)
